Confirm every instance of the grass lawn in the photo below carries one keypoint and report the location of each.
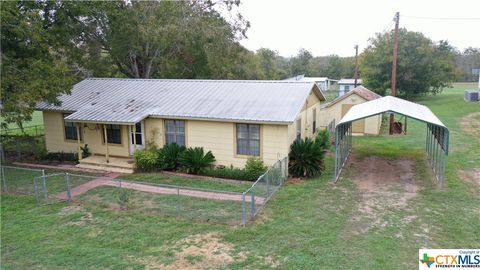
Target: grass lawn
(313, 224)
(37, 120)
(165, 179)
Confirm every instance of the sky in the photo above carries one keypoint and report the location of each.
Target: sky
(335, 26)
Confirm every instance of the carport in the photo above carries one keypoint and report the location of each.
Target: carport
(437, 135)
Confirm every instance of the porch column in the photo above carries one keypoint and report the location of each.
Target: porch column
(79, 145)
(107, 156)
(134, 138)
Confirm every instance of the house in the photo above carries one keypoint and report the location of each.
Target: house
(323, 83)
(233, 119)
(335, 110)
(345, 85)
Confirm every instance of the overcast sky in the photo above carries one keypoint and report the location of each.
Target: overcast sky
(335, 26)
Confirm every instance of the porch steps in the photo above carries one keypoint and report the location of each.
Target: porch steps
(104, 168)
(117, 165)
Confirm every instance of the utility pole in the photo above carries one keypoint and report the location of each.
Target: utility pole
(356, 65)
(396, 19)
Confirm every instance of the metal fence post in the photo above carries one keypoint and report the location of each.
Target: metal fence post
(35, 187)
(4, 180)
(178, 201)
(17, 149)
(44, 185)
(252, 201)
(244, 210)
(268, 184)
(69, 193)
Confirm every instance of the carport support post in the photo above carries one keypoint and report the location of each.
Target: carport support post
(336, 154)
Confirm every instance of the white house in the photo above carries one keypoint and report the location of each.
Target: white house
(324, 83)
(345, 85)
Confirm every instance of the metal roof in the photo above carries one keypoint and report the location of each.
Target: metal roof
(391, 104)
(349, 81)
(302, 78)
(361, 91)
(128, 101)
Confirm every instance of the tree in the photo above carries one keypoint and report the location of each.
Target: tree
(34, 67)
(154, 39)
(423, 67)
(270, 64)
(300, 63)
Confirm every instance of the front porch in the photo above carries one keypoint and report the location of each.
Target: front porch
(114, 164)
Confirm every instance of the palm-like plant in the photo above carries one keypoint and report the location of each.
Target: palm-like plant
(305, 158)
(169, 156)
(195, 160)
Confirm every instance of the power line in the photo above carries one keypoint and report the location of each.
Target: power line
(440, 18)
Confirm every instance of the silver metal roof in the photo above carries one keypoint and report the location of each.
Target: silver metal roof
(127, 101)
(391, 104)
(349, 81)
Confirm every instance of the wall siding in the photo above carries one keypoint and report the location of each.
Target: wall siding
(372, 124)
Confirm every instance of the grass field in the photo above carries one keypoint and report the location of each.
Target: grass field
(312, 224)
(37, 120)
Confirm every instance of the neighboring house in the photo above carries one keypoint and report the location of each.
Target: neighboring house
(233, 119)
(336, 109)
(345, 85)
(323, 83)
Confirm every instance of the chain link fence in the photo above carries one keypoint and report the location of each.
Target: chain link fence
(215, 206)
(16, 180)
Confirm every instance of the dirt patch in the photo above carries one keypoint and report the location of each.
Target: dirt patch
(85, 218)
(71, 209)
(203, 251)
(385, 185)
(471, 176)
(470, 123)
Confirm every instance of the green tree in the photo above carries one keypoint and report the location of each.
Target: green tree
(270, 63)
(300, 63)
(34, 67)
(423, 67)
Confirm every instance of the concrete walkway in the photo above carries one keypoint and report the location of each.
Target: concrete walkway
(109, 181)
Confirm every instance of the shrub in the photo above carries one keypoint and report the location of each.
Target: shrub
(255, 167)
(59, 156)
(195, 160)
(169, 156)
(146, 160)
(124, 195)
(85, 151)
(323, 139)
(305, 158)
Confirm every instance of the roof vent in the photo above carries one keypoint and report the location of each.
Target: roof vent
(472, 95)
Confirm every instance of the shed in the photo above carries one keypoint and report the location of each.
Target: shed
(335, 110)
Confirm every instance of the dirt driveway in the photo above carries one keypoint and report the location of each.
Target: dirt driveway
(384, 185)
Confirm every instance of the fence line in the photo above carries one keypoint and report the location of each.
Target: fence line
(220, 206)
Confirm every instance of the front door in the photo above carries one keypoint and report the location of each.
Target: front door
(137, 136)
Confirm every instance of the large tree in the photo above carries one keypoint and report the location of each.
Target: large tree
(33, 68)
(423, 66)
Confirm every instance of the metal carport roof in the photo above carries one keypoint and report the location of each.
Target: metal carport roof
(437, 133)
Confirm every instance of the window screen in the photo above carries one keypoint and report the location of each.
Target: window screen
(175, 132)
(248, 139)
(114, 134)
(71, 130)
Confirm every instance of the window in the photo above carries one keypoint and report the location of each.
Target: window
(248, 139)
(71, 130)
(299, 129)
(314, 120)
(114, 134)
(347, 88)
(175, 132)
